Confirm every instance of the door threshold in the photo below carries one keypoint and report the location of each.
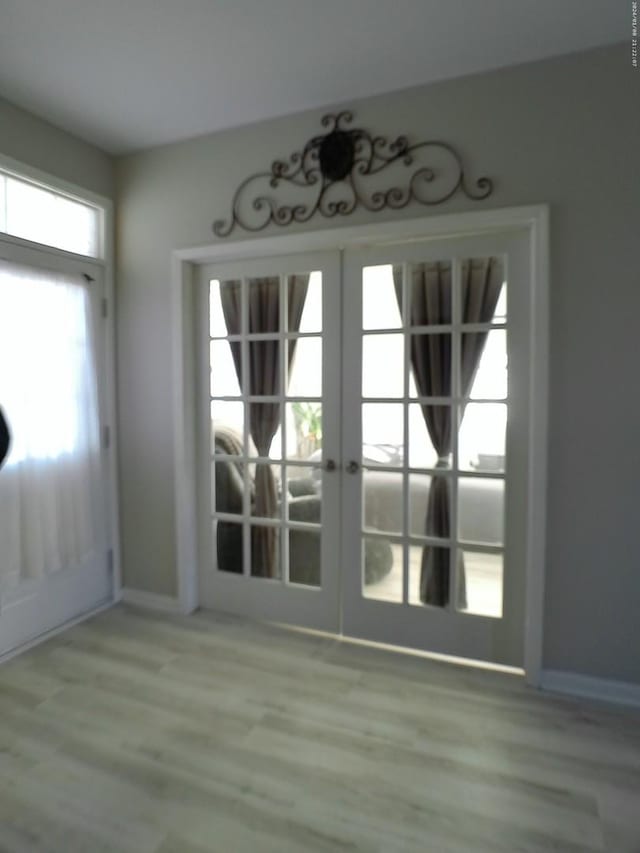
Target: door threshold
(470, 663)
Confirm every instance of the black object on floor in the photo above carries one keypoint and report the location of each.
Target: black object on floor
(5, 438)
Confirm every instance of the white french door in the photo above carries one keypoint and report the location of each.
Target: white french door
(364, 437)
(54, 554)
(270, 401)
(435, 422)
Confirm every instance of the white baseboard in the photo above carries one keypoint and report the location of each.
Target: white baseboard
(602, 689)
(42, 638)
(150, 600)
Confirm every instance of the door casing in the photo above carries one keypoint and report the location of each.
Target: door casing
(534, 220)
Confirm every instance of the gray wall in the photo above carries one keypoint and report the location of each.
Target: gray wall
(37, 143)
(564, 132)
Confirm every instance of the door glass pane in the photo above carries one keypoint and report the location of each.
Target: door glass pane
(383, 501)
(304, 494)
(380, 305)
(383, 365)
(304, 431)
(227, 485)
(229, 545)
(217, 322)
(265, 551)
(265, 418)
(482, 288)
(483, 579)
(381, 569)
(430, 294)
(382, 433)
(482, 437)
(305, 367)
(500, 314)
(224, 375)
(431, 364)
(303, 481)
(264, 304)
(429, 570)
(419, 490)
(265, 368)
(422, 453)
(490, 381)
(227, 427)
(305, 557)
(415, 565)
(481, 510)
(311, 318)
(265, 493)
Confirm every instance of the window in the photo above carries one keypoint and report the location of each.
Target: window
(43, 215)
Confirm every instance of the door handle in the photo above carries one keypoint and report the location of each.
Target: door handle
(330, 465)
(352, 467)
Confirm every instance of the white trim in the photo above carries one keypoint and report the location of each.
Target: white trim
(378, 233)
(111, 395)
(537, 475)
(150, 601)
(31, 173)
(586, 687)
(41, 638)
(533, 218)
(184, 430)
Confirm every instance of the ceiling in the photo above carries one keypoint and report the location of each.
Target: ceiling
(130, 74)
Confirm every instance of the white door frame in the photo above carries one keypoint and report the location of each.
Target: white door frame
(535, 219)
(105, 260)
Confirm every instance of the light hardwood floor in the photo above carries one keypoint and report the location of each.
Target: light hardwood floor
(136, 732)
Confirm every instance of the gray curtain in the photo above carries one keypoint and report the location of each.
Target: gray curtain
(431, 363)
(264, 380)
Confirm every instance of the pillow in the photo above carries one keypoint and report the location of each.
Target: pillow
(302, 486)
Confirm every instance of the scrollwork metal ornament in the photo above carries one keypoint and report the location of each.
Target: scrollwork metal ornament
(336, 167)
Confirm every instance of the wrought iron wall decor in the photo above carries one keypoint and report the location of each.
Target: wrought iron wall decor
(336, 166)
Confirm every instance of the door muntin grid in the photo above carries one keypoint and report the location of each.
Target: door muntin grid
(407, 460)
(291, 523)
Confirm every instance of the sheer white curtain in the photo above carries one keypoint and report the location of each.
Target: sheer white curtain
(50, 508)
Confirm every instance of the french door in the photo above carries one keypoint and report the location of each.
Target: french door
(364, 442)
(54, 528)
(270, 490)
(435, 419)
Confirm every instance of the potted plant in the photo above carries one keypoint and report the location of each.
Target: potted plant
(308, 420)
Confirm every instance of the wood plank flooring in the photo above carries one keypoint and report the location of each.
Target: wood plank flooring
(136, 732)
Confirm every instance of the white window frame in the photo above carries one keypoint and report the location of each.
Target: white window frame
(535, 219)
(21, 172)
(39, 254)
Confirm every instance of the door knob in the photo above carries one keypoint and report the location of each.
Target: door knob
(330, 465)
(352, 467)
